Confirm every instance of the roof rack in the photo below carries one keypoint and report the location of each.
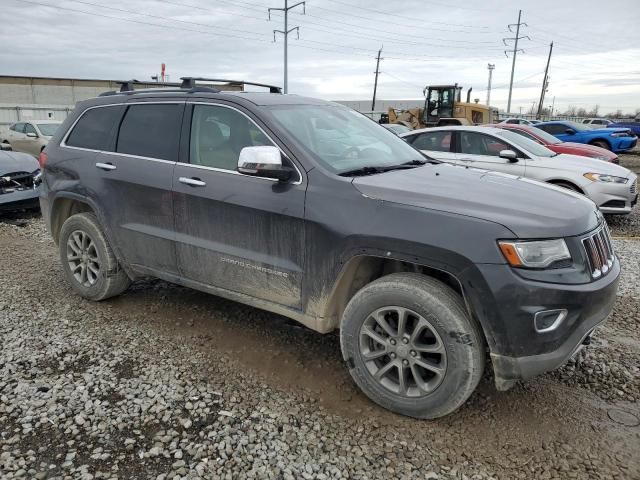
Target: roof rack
(127, 88)
(190, 82)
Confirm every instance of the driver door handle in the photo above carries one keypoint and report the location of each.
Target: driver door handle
(466, 159)
(193, 182)
(105, 166)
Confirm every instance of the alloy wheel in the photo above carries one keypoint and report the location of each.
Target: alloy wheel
(82, 257)
(403, 351)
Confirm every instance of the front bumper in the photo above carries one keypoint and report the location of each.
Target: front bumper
(614, 198)
(626, 143)
(22, 199)
(518, 351)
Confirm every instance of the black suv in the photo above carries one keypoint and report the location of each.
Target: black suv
(308, 209)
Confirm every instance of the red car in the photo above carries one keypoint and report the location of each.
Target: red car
(558, 146)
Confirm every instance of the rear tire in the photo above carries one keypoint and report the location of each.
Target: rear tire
(601, 144)
(88, 262)
(425, 366)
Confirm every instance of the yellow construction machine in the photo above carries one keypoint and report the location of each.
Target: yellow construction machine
(442, 106)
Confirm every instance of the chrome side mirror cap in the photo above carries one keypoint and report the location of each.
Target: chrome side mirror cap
(263, 161)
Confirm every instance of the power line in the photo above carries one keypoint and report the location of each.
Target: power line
(545, 83)
(515, 52)
(285, 33)
(375, 85)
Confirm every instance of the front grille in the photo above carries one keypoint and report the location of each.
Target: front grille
(634, 187)
(599, 251)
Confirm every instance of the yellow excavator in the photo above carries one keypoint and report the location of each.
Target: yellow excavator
(442, 106)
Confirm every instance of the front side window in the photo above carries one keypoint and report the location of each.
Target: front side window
(474, 143)
(28, 128)
(528, 145)
(554, 128)
(48, 129)
(218, 134)
(342, 139)
(18, 127)
(94, 128)
(436, 141)
(151, 131)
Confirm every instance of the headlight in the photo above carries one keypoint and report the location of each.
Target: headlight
(620, 134)
(603, 177)
(534, 254)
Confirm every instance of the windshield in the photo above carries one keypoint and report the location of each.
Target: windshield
(48, 129)
(342, 139)
(529, 145)
(579, 127)
(547, 137)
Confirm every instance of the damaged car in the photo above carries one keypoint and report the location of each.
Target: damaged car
(19, 181)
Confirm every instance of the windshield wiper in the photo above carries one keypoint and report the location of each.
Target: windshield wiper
(371, 170)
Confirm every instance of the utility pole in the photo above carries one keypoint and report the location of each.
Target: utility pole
(545, 83)
(285, 33)
(490, 66)
(514, 52)
(375, 85)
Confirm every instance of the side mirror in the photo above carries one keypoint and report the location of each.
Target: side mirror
(32, 135)
(509, 155)
(570, 131)
(263, 161)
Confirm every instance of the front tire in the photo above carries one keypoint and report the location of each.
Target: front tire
(411, 346)
(601, 144)
(88, 262)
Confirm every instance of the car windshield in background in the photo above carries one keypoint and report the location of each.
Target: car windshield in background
(547, 137)
(48, 129)
(342, 139)
(529, 145)
(578, 127)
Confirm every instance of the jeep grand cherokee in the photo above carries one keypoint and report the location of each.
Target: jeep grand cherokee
(308, 209)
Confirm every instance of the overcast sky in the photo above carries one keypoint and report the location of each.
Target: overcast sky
(596, 55)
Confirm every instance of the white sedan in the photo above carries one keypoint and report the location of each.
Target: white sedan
(612, 188)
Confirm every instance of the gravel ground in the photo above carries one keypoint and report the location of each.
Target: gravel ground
(166, 382)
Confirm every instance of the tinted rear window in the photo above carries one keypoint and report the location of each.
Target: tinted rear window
(94, 128)
(151, 131)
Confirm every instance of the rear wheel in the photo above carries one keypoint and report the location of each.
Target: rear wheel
(88, 261)
(411, 346)
(601, 144)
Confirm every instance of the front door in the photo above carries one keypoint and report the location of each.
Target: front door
(480, 150)
(236, 232)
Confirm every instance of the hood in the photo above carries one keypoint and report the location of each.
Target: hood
(585, 147)
(586, 164)
(17, 162)
(529, 209)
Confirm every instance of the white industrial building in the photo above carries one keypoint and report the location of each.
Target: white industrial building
(46, 98)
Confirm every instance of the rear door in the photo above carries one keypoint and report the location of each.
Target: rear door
(236, 232)
(480, 150)
(437, 144)
(130, 176)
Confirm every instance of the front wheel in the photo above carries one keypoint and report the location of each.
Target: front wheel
(601, 144)
(410, 345)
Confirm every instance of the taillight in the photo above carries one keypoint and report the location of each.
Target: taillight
(42, 159)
